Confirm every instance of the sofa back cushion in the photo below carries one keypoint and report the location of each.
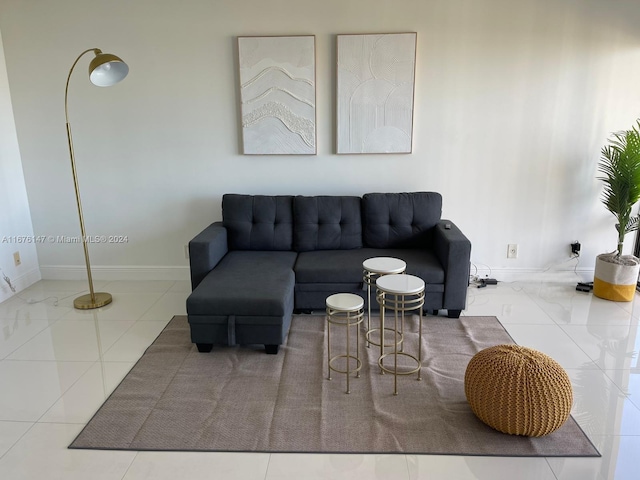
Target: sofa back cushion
(258, 222)
(326, 223)
(400, 220)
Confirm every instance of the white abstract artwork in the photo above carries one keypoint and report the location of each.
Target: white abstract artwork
(375, 85)
(278, 95)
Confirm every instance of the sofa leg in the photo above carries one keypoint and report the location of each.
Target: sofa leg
(434, 312)
(271, 349)
(204, 347)
(454, 313)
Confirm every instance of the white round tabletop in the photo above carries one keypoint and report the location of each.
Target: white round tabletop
(400, 284)
(384, 265)
(345, 302)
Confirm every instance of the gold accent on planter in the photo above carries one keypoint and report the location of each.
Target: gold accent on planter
(610, 291)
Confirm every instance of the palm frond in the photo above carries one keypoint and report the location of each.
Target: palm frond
(633, 224)
(620, 168)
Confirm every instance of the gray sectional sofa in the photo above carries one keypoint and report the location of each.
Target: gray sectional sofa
(273, 255)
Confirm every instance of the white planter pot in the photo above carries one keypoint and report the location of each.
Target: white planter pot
(614, 281)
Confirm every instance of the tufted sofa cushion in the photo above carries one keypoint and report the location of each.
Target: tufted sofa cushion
(326, 223)
(258, 222)
(400, 220)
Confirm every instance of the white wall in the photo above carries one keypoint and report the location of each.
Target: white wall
(512, 106)
(15, 219)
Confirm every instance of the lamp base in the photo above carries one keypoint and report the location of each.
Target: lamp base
(100, 300)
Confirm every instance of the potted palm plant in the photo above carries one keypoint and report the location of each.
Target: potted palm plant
(616, 275)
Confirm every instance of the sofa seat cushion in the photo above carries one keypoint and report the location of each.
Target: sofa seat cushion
(345, 266)
(246, 283)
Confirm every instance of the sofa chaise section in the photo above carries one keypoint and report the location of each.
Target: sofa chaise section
(242, 275)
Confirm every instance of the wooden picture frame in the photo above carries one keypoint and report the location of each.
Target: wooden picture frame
(375, 93)
(278, 94)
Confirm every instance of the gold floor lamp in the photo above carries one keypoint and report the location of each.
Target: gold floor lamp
(104, 70)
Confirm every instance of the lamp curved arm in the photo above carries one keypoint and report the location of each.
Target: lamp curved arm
(66, 88)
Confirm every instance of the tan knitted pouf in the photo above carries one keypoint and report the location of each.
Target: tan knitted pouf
(518, 390)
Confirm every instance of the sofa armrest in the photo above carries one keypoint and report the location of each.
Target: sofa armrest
(453, 250)
(206, 250)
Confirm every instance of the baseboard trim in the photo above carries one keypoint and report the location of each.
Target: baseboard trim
(111, 273)
(20, 283)
(140, 272)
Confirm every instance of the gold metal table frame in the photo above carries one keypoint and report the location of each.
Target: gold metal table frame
(374, 268)
(345, 310)
(400, 302)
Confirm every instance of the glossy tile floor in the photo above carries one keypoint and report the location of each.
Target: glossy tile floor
(57, 365)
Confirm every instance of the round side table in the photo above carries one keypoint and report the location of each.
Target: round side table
(400, 294)
(345, 310)
(374, 268)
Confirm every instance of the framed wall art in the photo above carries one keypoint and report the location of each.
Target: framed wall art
(375, 91)
(278, 95)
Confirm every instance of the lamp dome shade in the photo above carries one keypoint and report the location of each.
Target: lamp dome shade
(107, 69)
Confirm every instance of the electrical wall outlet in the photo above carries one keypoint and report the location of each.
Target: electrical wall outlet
(575, 248)
(16, 259)
(512, 250)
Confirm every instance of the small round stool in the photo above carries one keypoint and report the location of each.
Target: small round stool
(518, 390)
(401, 294)
(346, 310)
(373, 269)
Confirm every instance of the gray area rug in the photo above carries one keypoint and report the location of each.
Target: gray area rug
(240, 399)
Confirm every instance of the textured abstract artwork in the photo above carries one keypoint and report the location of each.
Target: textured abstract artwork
(375, 93)
(278, 94)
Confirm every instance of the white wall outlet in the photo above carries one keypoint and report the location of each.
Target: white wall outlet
(16, 259)
(512, 250)
(186, 252)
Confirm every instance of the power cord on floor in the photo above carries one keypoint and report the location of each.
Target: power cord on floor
(476, 280)
(572, 257)
(32, 301)
(479, 282)
(56, 300)
(8, 281)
